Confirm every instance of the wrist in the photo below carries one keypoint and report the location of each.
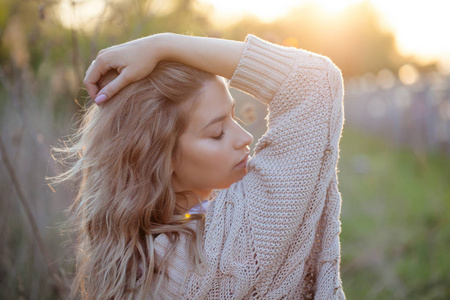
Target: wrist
(162, 45)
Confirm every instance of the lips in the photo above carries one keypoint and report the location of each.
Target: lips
(243, 162)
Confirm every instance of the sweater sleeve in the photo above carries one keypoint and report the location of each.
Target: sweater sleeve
(275, 233)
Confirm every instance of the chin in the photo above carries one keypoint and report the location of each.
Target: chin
(234, 180)
(240, 177)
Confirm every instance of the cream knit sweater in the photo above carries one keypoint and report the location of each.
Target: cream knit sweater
(275, 233)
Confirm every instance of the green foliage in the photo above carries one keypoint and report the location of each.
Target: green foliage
(395, 226)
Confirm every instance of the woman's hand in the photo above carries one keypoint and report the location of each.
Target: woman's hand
(133, 61)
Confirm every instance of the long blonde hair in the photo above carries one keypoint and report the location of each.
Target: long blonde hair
(122, 156)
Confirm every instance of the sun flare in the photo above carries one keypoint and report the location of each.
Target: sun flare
(419, 28)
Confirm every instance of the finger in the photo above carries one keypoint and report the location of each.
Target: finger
(90, 67)
(90, 83)
(95, 71)
(113, 87)
(92, 90)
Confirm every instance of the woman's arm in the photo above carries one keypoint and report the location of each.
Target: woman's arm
(136, 59)
(275, 233)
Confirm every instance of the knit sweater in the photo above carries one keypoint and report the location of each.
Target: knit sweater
(275, 233)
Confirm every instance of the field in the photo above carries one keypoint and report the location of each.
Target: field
(395, 236)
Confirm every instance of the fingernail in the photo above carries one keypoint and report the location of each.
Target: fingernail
(100, 98)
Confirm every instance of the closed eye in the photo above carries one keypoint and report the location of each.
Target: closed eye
(220, 136)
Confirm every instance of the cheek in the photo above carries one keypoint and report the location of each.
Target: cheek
(207, 155)
(207, 163)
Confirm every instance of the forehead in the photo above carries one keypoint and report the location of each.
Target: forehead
(214, 101)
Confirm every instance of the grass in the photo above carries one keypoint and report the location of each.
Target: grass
(395, 224)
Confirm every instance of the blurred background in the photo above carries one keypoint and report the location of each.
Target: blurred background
(395, 149)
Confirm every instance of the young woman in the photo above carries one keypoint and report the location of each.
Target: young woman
(163, 139)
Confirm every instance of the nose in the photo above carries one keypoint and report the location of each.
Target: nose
(244, 138)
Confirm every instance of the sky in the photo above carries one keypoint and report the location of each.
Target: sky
(421, 27)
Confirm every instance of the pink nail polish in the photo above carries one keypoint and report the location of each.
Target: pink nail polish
(100, 98)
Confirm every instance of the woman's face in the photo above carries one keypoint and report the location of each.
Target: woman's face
(213, 146)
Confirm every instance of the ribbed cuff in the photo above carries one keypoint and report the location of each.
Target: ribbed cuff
(262, 68)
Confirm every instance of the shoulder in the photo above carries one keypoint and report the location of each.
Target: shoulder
(178, 244)
(174, 252)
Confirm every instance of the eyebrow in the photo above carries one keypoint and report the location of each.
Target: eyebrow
(220, 118)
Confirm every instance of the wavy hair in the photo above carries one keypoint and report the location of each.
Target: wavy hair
(121, 156)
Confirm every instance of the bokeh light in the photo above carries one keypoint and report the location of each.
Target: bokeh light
(408, 74)
(386, 79)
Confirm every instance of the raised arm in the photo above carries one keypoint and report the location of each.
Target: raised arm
(136, 59)
(275, 233)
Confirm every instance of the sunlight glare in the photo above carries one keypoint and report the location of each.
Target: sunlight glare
(268, 11)
(420, 27)
(80, 14)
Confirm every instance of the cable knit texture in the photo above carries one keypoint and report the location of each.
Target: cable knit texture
(275, 233)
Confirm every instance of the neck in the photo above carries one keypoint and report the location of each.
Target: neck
(188, 200)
